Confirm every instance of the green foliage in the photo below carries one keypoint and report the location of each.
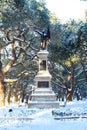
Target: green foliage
(69, 47)
(22, 13)
(19, 3)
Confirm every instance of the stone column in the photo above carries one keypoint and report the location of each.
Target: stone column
(43, 76)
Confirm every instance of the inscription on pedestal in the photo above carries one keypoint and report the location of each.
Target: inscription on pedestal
(43, 84)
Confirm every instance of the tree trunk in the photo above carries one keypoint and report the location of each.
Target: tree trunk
(71, 89)
(9, 94)
(2, 95)
(69, 95)
(23, 96)
(2, 90)
(84, 70)
(72, 77)
(78, 97)
(15, 98)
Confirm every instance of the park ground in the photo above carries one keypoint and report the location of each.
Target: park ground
(71, 117)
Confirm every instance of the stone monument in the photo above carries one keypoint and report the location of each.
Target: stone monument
(43, 96)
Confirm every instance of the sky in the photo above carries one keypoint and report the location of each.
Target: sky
(67, 9)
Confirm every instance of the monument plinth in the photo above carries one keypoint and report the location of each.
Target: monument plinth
(43, 96)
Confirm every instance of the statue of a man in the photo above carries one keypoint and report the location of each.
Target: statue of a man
(45, 38)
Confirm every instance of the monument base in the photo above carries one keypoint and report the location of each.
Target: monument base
(43, 98)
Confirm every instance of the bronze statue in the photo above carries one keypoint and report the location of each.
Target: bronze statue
(45, 38)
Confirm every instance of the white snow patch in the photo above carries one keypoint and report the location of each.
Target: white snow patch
(23, 118)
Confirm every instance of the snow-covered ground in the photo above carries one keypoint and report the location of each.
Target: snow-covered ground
(23, 118)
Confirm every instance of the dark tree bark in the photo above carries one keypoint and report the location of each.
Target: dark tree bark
(70, 89)
(2, 90)
(69, 95)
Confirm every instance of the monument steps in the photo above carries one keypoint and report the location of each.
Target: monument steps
(43, 98)
(43, 90)
(43, 104)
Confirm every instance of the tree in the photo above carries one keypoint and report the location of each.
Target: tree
(67, 68)
(18, 42)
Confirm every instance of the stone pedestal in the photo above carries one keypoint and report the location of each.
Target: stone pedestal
(43, 96)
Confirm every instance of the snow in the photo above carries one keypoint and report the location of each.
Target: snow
(23, 118)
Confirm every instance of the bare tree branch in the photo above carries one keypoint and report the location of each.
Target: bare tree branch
(56, 83)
